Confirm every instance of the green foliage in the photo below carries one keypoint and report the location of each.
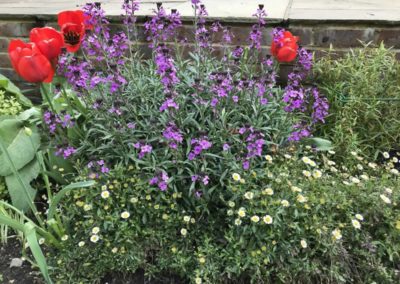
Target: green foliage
(3, 189)
(313, 203)
(21, 144)
(363, 89)
(9, 106)
(10, 89)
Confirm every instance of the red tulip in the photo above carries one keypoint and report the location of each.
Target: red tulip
(285, 48)
(29, 62)
(48, 40)
(73, 28)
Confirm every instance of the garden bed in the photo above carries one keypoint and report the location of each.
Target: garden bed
(170, 166)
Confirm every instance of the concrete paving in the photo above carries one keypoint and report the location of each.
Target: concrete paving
(232, 10)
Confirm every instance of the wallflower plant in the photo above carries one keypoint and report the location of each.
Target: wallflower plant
(185, 122)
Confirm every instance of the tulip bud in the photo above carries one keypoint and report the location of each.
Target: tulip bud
(28, 131)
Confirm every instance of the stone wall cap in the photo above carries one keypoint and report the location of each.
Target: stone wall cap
(240, 11)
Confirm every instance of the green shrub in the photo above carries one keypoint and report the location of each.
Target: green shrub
(9, 105)
(363, 89)
(313, 235)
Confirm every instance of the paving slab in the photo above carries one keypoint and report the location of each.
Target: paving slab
(344, 10)
(234, 10)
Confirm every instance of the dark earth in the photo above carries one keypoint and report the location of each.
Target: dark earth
(17, 275)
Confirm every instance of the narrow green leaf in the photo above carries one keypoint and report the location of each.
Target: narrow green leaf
(31, 237)
(57, 198)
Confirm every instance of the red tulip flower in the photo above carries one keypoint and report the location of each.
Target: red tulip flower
(284, 49)
(72, 28)
(29, 62)
(49, 41)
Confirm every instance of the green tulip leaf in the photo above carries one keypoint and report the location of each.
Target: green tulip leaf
(18, 197)
(21, 147)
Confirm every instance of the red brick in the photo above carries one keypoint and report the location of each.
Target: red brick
(5, 60)
(324, 37)
(4, 44)
(390, 37)
(16, 29)
(305, 34)
(10, 74)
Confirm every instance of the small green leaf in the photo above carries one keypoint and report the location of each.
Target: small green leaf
(319, 143)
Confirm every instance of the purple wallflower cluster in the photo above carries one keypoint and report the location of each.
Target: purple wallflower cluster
(237, 52)
(199, 145)
(299, 98)
(302, 131)
(143, 149)
(165, 67)
(254, 144)
(53, 120)
(97, 167)
(100, 48)
(161, 180)
(257, 29)
(173, 136)
(76, 71)
(162, 26)
(205, 179)
(130, 7)
(202, 34)
(65, 151)
(320, 107)
(222, 85)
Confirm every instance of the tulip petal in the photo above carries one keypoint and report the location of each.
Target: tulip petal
(35, 69)
(48, 40)
(75, 17)
(287, 54)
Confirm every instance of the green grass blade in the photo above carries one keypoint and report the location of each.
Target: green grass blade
(37, 253)
(57, 198)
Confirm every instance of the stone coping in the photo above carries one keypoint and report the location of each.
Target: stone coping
(279, 11)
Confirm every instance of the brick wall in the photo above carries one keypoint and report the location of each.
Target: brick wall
(316, 36)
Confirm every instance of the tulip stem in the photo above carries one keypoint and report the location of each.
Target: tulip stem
(46, 95)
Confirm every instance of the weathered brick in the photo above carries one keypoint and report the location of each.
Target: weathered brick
(390, 37)
(4, 44)
(305, 34)
(10, 74)
(342, 37)
(17, 29)
(5, 61)
(241, 34)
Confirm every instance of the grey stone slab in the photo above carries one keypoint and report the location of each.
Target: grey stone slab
(345, 10)
(239, 10)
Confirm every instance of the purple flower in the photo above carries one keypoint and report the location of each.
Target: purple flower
(145, 149)
(226, 147)
(65, 152)
(237, 52)
(173, 135)
(205, 180)
(256, 32)
(199, 145)
(104, 169)
(169, 103)
(131, 125)
(161, 180)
